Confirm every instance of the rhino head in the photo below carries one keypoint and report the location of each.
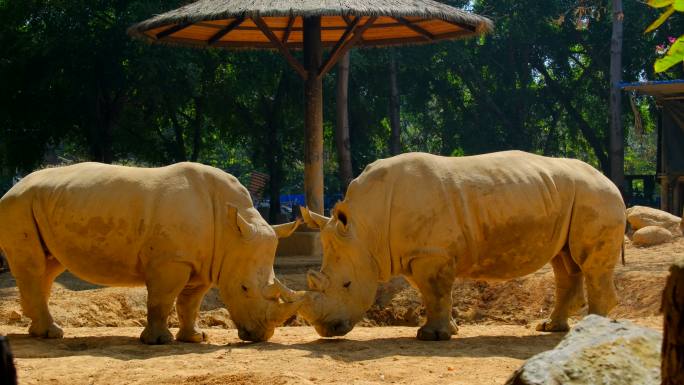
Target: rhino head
(344, 288)
(256, 300)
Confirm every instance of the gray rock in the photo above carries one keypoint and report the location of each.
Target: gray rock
(597, 350)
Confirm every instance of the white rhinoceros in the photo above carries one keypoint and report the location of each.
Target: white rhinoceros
(492, 217)
(178, 230)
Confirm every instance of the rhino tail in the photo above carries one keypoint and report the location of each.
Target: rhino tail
(622, 253)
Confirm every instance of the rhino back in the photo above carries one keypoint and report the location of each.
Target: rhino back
(498, 215)
(107, 223)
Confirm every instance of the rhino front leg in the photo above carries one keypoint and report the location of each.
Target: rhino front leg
(164, 283)
(187, 306)
(434, 277)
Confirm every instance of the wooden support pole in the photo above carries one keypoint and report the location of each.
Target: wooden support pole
(672, 367)
(281, 47)
(616, 152)
(313, 111)
(422, 32)
(223, 32)
(342, 46)
(334, 52)
(288, 29)
(171, 30)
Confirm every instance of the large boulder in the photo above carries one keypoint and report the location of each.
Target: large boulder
(642, 216)
(597, 350)
(651, 235)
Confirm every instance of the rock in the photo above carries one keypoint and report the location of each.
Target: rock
(14, 316)
(642, 216)
(217, 317)
(597, 350)
(650, 236)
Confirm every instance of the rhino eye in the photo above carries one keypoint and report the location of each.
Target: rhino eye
(244, 288)
(346, 284)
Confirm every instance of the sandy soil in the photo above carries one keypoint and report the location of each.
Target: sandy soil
(496, 334)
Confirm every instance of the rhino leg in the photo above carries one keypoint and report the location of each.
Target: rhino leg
(569, 293)
(187, 307)
(601, 292)
(434, 277)
(164, 283)
(596, 238)
(34, 275)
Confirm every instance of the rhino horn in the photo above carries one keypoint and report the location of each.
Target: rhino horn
(286, 229)
(312, 219)
(282, 311)
(288, 294)
(278, 290)
(317, 280)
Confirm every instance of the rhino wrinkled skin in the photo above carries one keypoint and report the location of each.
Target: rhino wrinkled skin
(179, 230)
(491, 217)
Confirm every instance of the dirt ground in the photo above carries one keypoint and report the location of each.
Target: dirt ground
(496, 333)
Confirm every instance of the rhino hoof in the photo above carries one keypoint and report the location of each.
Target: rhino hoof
(191, 336)
(52, 331)
(151, 337)
(551, 326)
(430, 334)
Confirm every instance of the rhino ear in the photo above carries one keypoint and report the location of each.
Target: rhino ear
(313, 220)
(341, 214)
(317, 281)
(286, 229)
(241, 225)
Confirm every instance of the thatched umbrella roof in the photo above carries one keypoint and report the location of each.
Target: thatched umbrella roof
(310, 25)
(235, 23)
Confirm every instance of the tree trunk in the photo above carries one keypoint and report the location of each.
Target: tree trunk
(179, 141)
(274, 152)
(395, 137)
(275, 169)
(313, 115)
(101, 138)
(197, 130)
(672, 368)
(342, 130)
(617, 151)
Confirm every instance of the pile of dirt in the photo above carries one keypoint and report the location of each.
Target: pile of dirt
(521, 301)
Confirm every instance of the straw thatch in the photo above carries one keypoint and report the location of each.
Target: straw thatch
(396, 22)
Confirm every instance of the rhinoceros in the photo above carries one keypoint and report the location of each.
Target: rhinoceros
(488, 217)
(178, 230)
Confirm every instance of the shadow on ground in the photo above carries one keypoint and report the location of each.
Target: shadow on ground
(345, 350)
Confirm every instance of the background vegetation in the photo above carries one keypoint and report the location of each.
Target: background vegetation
(74, 86)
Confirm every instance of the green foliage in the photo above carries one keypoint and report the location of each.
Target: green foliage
(76, 87)
(675, 53)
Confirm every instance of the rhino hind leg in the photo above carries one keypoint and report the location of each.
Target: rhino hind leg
(601, 292)
(164, 283)
(35, 275)
(434, 277)
(569, 293)
(187, 307)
